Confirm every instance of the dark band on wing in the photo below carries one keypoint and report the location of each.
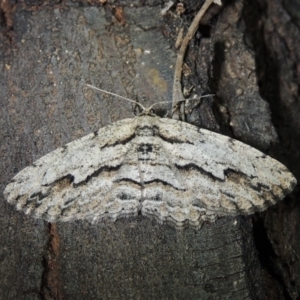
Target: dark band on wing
(120, 141)
(194, 167)
(143, 184)
(98, 172)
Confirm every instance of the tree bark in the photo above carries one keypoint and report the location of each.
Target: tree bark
(246, 54)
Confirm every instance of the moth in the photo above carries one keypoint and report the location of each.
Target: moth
(158, 167)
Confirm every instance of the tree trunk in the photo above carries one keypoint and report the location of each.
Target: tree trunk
(246, 54)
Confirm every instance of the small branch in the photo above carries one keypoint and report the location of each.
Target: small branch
(177, 95)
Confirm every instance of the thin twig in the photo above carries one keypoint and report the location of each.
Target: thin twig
(177, 95)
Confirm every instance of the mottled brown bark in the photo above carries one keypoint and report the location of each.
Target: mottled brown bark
(247, 56)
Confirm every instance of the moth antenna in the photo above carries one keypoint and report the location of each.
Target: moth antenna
(181, 100)
(116, 95)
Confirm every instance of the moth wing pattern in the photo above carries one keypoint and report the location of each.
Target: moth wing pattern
(163, 168)
(225, 176)
(62, 185)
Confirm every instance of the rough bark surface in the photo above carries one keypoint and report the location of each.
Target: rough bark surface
(247, 56)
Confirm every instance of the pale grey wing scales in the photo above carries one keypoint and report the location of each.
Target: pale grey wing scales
(147, 166)
(162, 168)
(167, 194)
(164, 190)
(225, 176)
(72, 181)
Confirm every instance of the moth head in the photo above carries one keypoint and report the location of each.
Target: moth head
(148, 112)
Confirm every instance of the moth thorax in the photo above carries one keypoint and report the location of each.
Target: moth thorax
(146, 131)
